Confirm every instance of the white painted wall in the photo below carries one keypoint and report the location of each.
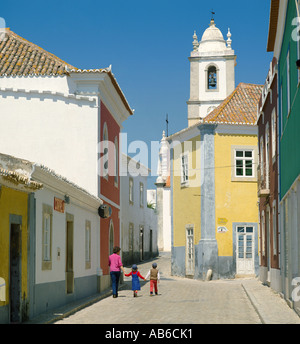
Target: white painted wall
(134, 213)
(51, 129)
(55, 121)
(167, 220)
(81, 214)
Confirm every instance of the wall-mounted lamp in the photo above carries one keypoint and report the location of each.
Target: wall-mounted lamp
(67, 199)
(104, 211)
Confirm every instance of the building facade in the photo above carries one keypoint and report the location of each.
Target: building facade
(213, 175)
(64, 243)
(74, 118)
(214, 191)
(16, 188)
(138, 221)
(283, 41)
(53, 230)
(268, 181)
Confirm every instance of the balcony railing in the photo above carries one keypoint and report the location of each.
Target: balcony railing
(263, 181)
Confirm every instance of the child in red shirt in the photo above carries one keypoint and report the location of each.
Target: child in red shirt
(135, 279)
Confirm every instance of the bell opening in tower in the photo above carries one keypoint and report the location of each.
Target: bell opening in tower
(212, 78)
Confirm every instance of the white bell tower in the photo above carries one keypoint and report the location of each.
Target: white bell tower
(212, 76)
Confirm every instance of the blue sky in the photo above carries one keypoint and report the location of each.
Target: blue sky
(148, 44)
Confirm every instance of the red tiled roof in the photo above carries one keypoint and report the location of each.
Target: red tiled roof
(21, 57)
(240, 107)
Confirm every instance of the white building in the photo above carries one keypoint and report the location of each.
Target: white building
(52, 110)
(212, 79)
(63, 241)
(212, 63)
(163, 197)
(68, 119)
(138, 222)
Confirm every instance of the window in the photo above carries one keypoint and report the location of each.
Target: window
(141, 242)
(212, 78)
(87, 244)
(273, 124)
(267, 156)
(244, 163)
(105, 152)
(47, 237)
(274, 217)
(141, 194)
(288, 82)
(263, 234)
(131, 240)
(131, 190)
(184, 169)
(281, 108)
(298, 43)
(261, 156)
(111, 237)
(116, 162)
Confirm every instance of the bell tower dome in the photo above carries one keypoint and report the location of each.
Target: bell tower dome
(212, 76)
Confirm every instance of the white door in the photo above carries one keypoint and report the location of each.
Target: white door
(189, 265)
(245, 250)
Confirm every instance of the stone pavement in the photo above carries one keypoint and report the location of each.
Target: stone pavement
(179, 301)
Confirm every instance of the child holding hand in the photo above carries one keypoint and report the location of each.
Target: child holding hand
(135, 279)
(154, 278)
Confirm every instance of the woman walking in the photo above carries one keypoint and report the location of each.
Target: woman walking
(115, 264)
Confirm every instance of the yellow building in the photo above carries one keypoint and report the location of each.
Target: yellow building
(214, 190)
(15, 189)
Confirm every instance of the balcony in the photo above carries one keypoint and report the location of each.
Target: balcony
(263, 182)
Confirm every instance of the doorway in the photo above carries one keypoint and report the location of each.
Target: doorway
(15, 273)
(150, 244)
(189, 249)
(245, 250)
(69, 254)
(141, 243)
(130, 244)
(268, 256)
(111, 237)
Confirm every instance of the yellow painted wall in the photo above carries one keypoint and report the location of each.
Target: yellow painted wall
(12, 202)
(235, 201)
(186, 200)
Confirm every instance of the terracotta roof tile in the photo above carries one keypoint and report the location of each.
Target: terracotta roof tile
(21, 57)
(240, 107)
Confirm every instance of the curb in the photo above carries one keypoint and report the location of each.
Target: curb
(253, 301)
(67, 310)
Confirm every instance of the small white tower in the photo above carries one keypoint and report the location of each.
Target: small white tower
(163, 197)
(212, 76)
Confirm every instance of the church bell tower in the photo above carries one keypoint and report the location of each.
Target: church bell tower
(212, 76)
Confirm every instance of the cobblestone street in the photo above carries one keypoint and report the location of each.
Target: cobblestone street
(187, 301)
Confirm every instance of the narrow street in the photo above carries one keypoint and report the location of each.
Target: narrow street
(187, 301)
